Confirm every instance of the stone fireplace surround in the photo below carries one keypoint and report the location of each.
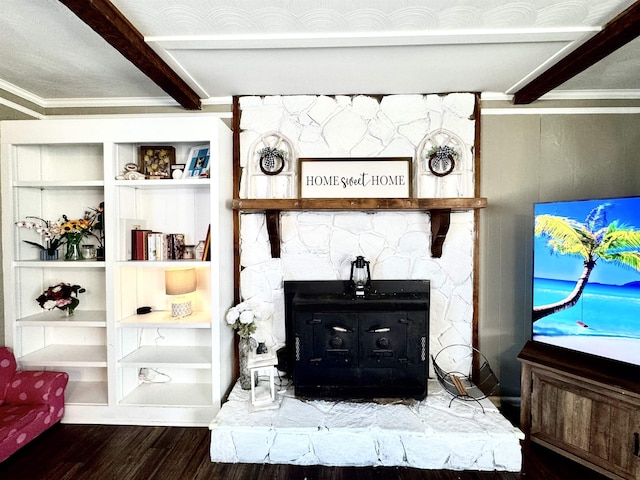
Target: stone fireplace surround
(320, 245)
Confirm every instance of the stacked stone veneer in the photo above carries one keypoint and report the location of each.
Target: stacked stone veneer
(320, 245)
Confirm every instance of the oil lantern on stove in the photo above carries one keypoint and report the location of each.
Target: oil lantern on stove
(360, 282)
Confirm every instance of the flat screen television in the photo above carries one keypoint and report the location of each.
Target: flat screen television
(586, 269)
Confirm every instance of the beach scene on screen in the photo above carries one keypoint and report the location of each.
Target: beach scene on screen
(586, 286)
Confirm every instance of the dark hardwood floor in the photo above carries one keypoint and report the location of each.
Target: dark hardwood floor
(103, 452)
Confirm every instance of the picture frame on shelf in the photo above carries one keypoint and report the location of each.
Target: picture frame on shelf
(197, 165)
(156, 161)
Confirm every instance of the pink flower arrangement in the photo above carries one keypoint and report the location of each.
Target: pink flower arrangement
(63, 296)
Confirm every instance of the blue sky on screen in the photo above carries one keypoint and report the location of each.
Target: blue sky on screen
(564, 267)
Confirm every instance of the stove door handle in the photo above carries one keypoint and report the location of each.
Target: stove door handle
(379, 330)
(342, 329)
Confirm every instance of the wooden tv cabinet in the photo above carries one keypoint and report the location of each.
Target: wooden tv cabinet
(582, 406)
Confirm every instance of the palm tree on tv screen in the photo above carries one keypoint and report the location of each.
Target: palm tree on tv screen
(592, 240)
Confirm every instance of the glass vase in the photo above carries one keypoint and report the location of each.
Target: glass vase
(245, 347)
(66, 312)
(73, 247)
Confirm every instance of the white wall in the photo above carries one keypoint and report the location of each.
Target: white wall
(530, 156)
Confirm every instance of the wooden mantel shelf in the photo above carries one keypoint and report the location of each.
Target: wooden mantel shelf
(439, 209)
(451, 204)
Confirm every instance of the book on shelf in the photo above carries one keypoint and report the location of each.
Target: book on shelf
(206, 255)
(174, 246)
(156, 246)
(139, 247)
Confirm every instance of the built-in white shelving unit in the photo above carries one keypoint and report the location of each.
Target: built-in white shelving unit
(64, 166)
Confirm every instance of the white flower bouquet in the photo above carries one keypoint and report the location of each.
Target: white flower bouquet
(242, 318)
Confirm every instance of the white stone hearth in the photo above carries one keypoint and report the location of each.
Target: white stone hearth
(426, 434)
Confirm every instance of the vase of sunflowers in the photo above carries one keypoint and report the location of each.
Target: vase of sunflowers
(75, 231)
(66, 232)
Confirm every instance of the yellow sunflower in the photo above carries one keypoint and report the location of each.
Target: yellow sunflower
(72, 226)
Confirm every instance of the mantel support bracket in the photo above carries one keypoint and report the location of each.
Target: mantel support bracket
(273, 229)
(440, 221)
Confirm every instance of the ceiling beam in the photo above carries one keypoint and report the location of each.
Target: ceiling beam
(105, 19)
(615, 34)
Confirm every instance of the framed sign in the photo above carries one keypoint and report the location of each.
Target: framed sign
(384, 177)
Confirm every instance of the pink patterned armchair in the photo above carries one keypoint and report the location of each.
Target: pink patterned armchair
(30, 403)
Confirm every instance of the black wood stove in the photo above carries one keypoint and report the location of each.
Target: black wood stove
(340, 345)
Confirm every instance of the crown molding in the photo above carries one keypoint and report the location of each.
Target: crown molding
(109, 102)
(366, 39)
(199, 114)
(21, 108)
(125, 102)
(570, 95)
(82, 102)
(526, 110)
(20, 92)
(218, 101)
(592, 95)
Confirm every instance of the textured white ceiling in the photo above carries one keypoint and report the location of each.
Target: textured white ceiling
(226, 47)
(47, 51)
(234, 17)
